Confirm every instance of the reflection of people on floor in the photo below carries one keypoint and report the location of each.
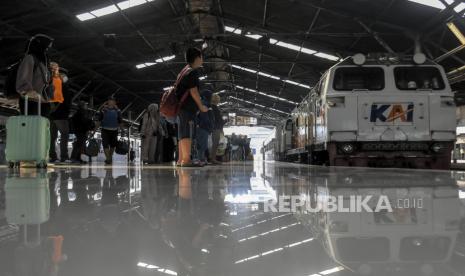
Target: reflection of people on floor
(189, 226)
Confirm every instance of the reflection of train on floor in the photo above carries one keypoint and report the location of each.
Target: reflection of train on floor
(414, 239)
(375, 110)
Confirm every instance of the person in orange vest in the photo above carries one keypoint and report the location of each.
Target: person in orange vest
(59, 118)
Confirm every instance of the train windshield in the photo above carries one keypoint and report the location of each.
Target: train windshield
(359, 78)
(413, 78)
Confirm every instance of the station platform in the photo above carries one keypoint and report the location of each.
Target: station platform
(220, 220)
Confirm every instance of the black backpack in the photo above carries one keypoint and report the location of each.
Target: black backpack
(10, 81)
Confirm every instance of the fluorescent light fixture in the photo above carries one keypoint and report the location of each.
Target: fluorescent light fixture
(244, 68)
(259, 105)
(283, 44)
(160, 60)
(264, 94)
(203, 77)
(164, 59)
(298, 84)
(141, 264)
(269, 76)
(168, 88)
(289, 46)
(85, 16)
(456, 32)
(233, 30)
(253, 36)
(327, 56)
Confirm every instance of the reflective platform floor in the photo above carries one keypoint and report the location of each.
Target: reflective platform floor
(236, 219)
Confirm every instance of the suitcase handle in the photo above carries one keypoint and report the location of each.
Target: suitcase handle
(26, 105)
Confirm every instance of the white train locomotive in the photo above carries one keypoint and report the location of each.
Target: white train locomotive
(378, 110)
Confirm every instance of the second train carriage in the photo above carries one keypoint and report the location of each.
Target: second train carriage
(375, 110)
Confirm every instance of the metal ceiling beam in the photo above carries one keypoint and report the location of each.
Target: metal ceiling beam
(141, 35)
(79, 65)
(310, 27)
(376, 37)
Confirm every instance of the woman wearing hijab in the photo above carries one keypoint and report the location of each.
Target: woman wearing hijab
(150, 132)
(33, 75)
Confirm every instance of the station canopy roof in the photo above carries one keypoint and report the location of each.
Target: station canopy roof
(262, 56)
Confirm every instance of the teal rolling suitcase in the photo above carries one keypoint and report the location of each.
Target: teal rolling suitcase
(27, 139)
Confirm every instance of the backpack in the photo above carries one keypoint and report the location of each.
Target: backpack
(10, 81)
(92, 148)
(170, 104)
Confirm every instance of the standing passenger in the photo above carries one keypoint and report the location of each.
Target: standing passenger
(82, 124)
(189, 84)
(110, 119)
(217, 128)
(59, 118)
(33, 75)
(204, 127)
(150, 134)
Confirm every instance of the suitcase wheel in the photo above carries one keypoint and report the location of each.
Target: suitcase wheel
(41, 165)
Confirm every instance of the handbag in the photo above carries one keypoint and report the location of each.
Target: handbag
(122, 147)
(92, 148)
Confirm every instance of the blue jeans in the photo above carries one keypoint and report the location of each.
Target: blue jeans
(202, 143)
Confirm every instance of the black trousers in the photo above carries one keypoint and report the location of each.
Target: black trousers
(79, 146)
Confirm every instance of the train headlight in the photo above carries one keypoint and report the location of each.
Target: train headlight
(437, 147)
(347, 148)
(359, 59)
(419, 58)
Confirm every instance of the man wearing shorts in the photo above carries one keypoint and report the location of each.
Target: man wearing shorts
(192, 104)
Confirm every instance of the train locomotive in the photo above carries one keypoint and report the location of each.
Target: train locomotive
(377, 110)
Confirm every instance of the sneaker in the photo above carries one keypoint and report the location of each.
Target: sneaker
(53, 160)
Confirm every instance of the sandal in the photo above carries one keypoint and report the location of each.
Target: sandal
(189, 165)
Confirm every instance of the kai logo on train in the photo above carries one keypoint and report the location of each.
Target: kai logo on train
(392, 113)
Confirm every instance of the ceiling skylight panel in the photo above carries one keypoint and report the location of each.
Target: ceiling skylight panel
(104, 11)
(130, 3)
(85, 16)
